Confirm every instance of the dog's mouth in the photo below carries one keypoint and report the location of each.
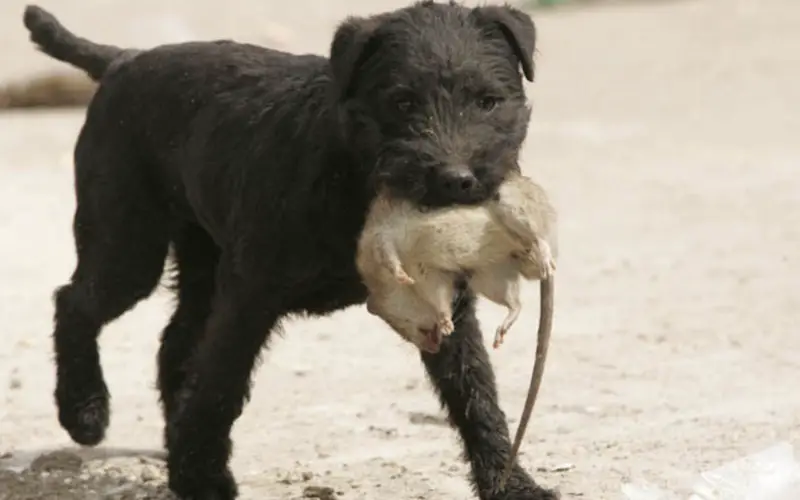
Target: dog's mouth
(408, 187)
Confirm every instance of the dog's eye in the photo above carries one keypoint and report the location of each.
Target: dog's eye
(488, 103)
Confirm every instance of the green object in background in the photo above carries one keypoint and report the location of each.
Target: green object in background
(549, 3)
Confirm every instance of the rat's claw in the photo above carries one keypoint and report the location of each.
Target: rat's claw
(403, 278)
(548, 268)
(445, 326)
(499, 336)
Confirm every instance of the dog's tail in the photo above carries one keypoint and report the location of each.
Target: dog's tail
(52, 38)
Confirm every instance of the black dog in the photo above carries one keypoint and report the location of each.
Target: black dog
(257, 167)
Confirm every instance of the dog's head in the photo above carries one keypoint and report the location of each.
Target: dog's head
(431, 96)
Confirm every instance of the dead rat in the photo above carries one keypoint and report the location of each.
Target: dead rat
(494, 243)
(410, 258)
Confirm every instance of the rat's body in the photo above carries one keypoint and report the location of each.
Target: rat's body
(492, 243)
(409, 260)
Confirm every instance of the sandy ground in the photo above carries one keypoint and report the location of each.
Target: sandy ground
(666, 132)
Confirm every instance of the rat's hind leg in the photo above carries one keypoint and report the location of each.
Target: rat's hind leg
(546, 257)
(516, 213)
(514, 308)
(500, 284)
(538, 263)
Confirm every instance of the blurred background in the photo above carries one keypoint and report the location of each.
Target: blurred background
(667, 133)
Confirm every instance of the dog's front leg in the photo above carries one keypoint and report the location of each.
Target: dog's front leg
(216, 387)
(464, 381)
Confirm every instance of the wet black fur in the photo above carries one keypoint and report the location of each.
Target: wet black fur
(257, 167)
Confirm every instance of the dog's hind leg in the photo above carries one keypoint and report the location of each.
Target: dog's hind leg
(121, 240)
(196, 257)
(245, 311)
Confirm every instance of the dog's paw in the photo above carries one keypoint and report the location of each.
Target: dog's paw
(520, 486)
(197, 474)
(83, 412)
(215, 486)
(538, 494)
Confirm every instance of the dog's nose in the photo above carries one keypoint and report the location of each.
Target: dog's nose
(459, 182)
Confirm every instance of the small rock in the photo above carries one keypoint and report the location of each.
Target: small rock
(319, 492)
(565, 467)
(418, 418)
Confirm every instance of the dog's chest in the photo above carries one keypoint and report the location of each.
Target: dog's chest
(328, 289)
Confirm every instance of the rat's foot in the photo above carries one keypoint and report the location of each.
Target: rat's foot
(547, 260)
(403, 278)
(548, 268)
(445, 325)
(499, 337)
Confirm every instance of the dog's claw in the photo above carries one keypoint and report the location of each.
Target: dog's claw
(219, 487)
(84, 413)
(520, 486)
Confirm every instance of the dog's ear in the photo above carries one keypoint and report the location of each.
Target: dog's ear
(353, 43)
(518, 29)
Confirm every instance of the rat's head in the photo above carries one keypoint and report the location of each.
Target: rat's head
(408, 315)
(431, 98)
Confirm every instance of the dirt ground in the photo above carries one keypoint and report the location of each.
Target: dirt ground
(667, 133)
